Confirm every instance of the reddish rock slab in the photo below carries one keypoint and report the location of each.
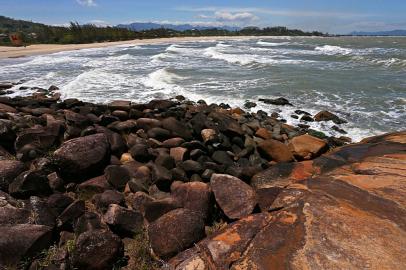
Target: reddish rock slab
(307, 147)
(344, 210)
(236, 198)
(275, 150)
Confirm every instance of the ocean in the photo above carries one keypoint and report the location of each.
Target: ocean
(361, 79)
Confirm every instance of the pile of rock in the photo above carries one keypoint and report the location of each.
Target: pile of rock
(83, 179)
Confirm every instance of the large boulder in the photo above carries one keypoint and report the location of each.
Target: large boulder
(30, 183)
(177, 128)
(175, 231)
(9, 170)
(307, 147)
(97, 250)
(275, 150)
(122, 220)
(83, 156)
(328, 116)
(236, 198)
(21, 241)
(226, 124)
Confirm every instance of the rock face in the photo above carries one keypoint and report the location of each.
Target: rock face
(84, 155)
(236, 198)
(351, 208)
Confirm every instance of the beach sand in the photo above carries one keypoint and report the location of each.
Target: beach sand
(37, 49)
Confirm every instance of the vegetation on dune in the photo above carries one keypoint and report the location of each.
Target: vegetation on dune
(75, 33)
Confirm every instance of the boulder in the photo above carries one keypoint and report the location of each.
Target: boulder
(277, 101)
(117, 176)
(30, 183)
(123, 105)
(83, 156)
(97, 250)
(97, 184)
(236, 198)
(222, 157)
(148, 123)
(123, 221)
(9, 170)
(208, 135)
(103, 200)
(177, 128)
(178, 153)
(68, 217)
(157, 208)
(7, 109)
(263, 133)
(22, 241)
(328, 116)
(307, 147)
(226, 124)
(275, 150)
(175, 231)
(140, 152)
(194, 196)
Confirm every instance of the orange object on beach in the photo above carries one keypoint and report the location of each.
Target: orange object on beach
(16, 39)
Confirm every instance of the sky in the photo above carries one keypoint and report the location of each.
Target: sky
(332, 16)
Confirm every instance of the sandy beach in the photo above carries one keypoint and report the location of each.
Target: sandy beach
(38, 49)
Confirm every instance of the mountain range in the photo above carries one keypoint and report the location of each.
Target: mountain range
(140, 26)
(381, 33)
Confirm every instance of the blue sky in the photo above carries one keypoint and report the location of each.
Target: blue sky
(333, 16)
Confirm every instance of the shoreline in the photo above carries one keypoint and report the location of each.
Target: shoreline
(41, 49)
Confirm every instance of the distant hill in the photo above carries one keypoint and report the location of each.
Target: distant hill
(381, 33)
(139, 26)
(8, 25)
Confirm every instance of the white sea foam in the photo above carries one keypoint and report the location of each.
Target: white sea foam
(333, 50)
(162, 79)
(272, 44)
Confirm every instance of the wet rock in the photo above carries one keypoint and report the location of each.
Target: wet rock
(148, 123)
(306, 118)
(250, 104)
(7, 109)
(307, 147)
(83, 156)
(123, 105)
(122, 220)
(98, 249)
(235, 198)
(339, 130)
(175, 231)
(278, 101)
(22, 240)
(30, 183)
(328, 116)
(275, 150)
(159, 104)
(226, 124)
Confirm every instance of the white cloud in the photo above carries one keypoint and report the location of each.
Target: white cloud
(88, 3)
(224, 16)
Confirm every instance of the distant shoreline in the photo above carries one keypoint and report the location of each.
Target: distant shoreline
(40, 49)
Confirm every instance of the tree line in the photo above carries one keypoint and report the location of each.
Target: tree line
(33, 33)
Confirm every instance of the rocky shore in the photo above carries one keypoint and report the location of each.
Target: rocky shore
(174, 184)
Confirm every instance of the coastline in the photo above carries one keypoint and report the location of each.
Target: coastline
(40, 49)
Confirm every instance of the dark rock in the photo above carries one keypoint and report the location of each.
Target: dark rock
(173, 142)
(30, 183)
(162, 177)
(160, 104)
(123, 221)
(165, 161)
(94, 185)
(235, 198)
(140, 152)
(55, 182)
(222, 157)
(339, 130)
(191, 166)
(83, 156)
(148, 123)
(68, 217)
(58, 202)
(250, 104)
(159, 133)
(22, 241)
(117, 176)
(266, 196)
(278, 101)
(122, 105)
(96, 250)
(103, 200)
(226, 124)
(9, 170)
(89, 221)
(138, 200)
(306, 118)
(175, 231)
(300, 112)
(177, 128)
(328, 116)
(157, 208)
